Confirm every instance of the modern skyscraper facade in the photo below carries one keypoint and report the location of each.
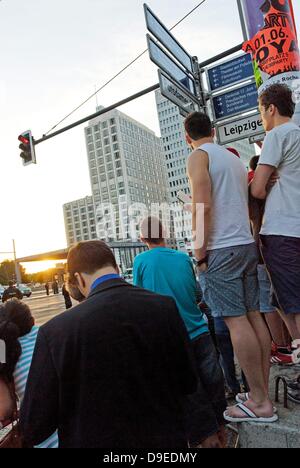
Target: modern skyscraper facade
(128, 181)
(80, 224)
(127, 173)
(176, 154)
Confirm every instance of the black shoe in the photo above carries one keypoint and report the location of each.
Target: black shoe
(294, 384)
(294, 396)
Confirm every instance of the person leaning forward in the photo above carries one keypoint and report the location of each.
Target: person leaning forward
(114, 371)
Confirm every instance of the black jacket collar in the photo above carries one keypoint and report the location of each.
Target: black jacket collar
(109, 284)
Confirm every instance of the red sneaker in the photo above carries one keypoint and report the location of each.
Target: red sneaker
(283, 359)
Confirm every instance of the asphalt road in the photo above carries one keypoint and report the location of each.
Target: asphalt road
(44, 307)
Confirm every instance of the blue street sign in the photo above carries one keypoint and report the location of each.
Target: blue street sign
(237, 101)
(169, 66)
(230, 72)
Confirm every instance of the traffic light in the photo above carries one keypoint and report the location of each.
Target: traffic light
(27, 148)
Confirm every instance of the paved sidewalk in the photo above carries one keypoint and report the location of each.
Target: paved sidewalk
(282, 434)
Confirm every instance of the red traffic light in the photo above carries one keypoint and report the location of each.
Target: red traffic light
(24, 140)
(27, 148)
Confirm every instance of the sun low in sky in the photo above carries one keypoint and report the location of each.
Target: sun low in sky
(37, 267)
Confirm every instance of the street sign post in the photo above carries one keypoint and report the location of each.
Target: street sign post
(159, 30)
(179, 73)
(169, 66)
(186, 102)
(240, 129)
(230, 72)
(235, 102)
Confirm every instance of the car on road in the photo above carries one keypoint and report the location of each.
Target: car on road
(128, 275)
(25, 290)
(2, 289)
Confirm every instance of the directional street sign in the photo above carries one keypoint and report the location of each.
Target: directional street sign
(231, 72)
(179, 77)
(169, 66)
(178, 95)
(239, 129)
(234, 102)
(257, 138)
(159, 30)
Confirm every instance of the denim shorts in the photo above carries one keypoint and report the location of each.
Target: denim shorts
(265, 291)
(231, 282)
(282, 257)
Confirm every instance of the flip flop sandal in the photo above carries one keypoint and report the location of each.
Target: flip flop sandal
(246, 398)
(250, 416)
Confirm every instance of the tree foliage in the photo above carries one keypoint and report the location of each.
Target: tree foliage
(7, 272)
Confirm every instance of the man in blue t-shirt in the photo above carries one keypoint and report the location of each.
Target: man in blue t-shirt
(171, 273)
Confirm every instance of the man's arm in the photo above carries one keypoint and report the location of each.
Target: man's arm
(262, 177)
(198, 172)
(271, 158)
(39, 410)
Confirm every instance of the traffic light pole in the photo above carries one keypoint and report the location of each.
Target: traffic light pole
(97, 114)
(144, 92)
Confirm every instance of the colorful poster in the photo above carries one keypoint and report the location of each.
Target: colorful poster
(274, 47)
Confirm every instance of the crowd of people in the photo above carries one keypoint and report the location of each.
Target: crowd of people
(145, 366)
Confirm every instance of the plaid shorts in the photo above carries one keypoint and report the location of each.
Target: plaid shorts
(231, 282)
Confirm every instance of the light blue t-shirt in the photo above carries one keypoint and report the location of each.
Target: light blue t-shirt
(21, 373)
(171, 273)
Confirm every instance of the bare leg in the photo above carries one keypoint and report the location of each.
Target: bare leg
(264, 338)
(276, 327)
(292, 322)
(250, 343)
(297, 319)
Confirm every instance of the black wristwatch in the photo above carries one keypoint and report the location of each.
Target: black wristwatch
(204, 260)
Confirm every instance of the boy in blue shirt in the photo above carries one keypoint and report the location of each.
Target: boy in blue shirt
(171, 273)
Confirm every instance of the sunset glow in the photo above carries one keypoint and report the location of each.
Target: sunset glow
(36, 267)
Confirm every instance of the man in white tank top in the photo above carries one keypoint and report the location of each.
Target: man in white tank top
(226, 252)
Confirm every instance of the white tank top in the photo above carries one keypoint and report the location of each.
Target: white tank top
(230, 213)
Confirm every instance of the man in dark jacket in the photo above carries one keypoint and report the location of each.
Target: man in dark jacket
(112, 372)
(11, 293)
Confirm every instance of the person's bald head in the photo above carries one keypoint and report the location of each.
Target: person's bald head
(152, 231)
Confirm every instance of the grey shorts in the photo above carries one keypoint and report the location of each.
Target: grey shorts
(265, 291)
(231, 282)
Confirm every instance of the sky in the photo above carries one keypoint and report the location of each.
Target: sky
(53, 54)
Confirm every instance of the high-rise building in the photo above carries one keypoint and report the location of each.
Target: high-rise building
(245, 149)
(80, 221)
(176, 152)
(127, 171)
(128, 181)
